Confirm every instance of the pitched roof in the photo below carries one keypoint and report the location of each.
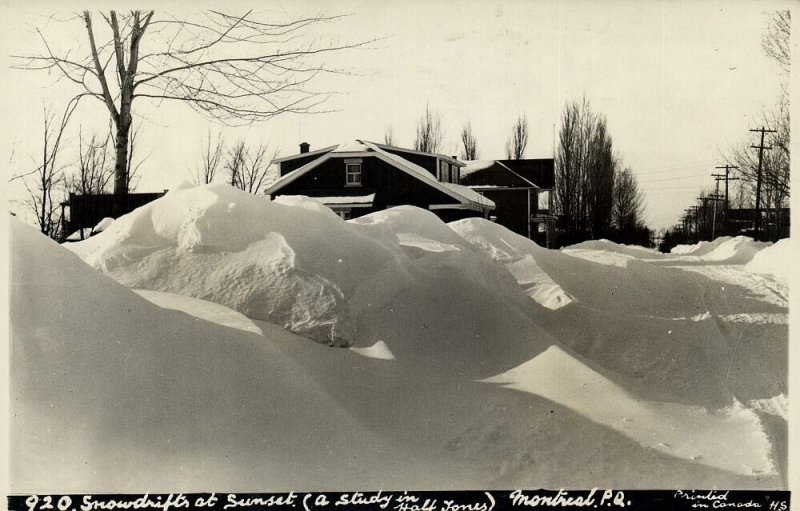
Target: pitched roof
(450, 159)
(363, 148)
(540, 171)
(537, 173)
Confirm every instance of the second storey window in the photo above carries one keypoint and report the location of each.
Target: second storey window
(352, 174)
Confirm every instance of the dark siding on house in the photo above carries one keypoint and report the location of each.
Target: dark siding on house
(86, 211)
(426, 162)
(392, 187)
(495, 175)
(290, 165)
(540, 172)
(512, 208)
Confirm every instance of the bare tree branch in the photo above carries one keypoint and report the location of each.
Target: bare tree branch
(230, 68)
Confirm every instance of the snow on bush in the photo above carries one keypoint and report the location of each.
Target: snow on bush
(775, 260)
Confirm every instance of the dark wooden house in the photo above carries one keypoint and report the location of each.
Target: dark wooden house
(81, 212)
(359, 177)
(522, 191)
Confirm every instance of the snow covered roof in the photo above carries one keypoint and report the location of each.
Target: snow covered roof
(538, 173)
(303, 155)
(449, 159)
(362, 148)
(353, 146)
(475, 165)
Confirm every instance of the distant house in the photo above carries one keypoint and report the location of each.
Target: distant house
(80, 213)
(522, 191)
(359, 177)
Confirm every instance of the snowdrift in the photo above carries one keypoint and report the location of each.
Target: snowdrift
(774, 260)
(220, 395)
(518, 254)
(295, 263)
(725, 249)
(113, 393)
(738, 250)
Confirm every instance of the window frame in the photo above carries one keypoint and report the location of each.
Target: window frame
(348, 174)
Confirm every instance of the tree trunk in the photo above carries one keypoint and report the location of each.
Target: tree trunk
(121, 160)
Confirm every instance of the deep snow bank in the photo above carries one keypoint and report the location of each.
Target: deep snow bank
(518, 254)
(266, 260)
(113, 393)
(775, 260)
(738, 250)
(688, 432)
(725, 249)
(400, 275)
(700, 248)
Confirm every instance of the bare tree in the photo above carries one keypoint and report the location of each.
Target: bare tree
(210, 160)
(469, 142)
(601, 166)
(94, 171)
(776, 42)
(231, 68)
(585, 167)
(44, 181)
(388, 135)
(518, 141)
(628, 206)
(248, 168)
(429, 131)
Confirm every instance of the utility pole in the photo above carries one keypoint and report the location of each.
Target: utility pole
(704, 208)
(726, 177)
(761, 149)
(716, 198)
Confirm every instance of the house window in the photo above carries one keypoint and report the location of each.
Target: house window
(456, 174)
(444, 172)
(353, 174)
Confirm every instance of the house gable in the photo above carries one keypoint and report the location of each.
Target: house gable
(390, 191)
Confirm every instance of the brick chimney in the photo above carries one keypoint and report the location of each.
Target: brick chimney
(304, 147)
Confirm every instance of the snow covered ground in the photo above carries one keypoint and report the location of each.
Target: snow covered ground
(199, 346)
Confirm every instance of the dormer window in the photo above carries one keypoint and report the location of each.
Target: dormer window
(352, 173)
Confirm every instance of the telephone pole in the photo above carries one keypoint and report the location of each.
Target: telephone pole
(761, 149)
(725, 178)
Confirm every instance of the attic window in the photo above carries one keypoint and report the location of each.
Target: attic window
(352, 174)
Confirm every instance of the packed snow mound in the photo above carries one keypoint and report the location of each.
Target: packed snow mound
(295, 263)
(774, 260)
(518, 254)
(738, 250)
(635, 251)
(113, 393)
(609, 253)
(102, 225)
(201, 309)
(688, 432)
(379, 351)
(700, 248)
(269, 261)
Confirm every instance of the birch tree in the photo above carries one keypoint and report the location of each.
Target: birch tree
(231, 68)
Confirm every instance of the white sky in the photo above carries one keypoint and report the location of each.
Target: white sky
(678, 82)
